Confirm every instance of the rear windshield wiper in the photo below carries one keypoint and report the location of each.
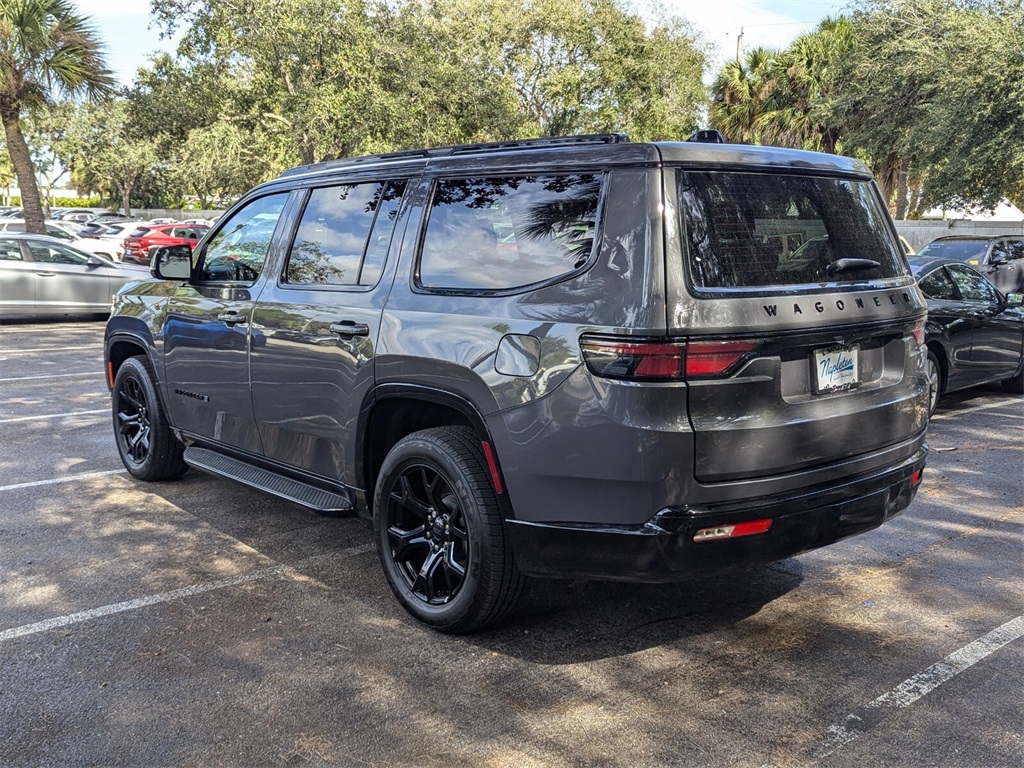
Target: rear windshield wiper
(842, 265)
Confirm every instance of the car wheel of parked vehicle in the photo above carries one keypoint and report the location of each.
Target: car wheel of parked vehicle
(148, 449)
(934, 373)
(439, 532)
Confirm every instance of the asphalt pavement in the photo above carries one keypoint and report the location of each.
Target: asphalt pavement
(196, 623)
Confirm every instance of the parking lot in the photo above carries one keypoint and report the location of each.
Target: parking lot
(200, 623)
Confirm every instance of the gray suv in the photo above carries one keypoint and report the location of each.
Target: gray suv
(574, 357)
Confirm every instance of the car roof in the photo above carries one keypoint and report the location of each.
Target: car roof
(971, 238)
(587, 151)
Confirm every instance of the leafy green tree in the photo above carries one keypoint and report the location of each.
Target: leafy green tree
(934, 94)
(46, 49)
(99, 147)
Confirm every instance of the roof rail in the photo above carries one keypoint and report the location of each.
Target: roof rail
(462, 149)
(549, 141)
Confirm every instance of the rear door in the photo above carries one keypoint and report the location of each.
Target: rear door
(801, 356)
(208, 331)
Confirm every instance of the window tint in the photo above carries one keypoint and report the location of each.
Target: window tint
(10, 251)
(140, 232)
(938, 285)
(55, 254)
(1000, 250)
(502, 233)
(753, 230)
(239, 248)
(1016, 249)
(344, 234)
(973, 287)
(962, 250)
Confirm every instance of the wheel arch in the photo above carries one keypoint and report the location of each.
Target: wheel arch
(393, 411)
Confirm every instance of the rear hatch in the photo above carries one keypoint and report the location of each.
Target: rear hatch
(798, 279)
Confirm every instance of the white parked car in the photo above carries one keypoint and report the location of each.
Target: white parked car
(70, 233)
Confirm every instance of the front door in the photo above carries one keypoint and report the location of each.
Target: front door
(208, 330)
(322, 317)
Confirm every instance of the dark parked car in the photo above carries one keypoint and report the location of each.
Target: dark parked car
(975, 334)
(570, 357)
(1000, 259)
(40, 276)
(143, 239)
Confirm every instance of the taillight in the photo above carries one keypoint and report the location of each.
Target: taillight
(664, 360)
(918, 331)
(634, 360)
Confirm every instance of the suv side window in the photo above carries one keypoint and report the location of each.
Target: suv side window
(237, 251)
(344, 234)
(1016, 249)
(494, 234)
(973, 287)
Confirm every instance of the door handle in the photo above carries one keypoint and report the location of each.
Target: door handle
(231, 318)
(46, 274)
(350, 328)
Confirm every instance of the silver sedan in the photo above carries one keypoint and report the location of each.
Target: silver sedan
(41, 275)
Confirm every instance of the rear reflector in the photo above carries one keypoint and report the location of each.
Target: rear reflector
(915, 479)
(733, 531)
(715, 358)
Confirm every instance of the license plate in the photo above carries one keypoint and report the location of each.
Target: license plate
(836, 368)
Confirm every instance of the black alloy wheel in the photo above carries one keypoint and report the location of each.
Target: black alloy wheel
(148, 449)
(440, 536)
(934, 375)
(427, 534)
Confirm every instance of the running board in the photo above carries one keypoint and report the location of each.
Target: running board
(317, 499)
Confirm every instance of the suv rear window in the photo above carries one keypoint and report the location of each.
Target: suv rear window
(493, 234)
(747, 230)
(140, 232)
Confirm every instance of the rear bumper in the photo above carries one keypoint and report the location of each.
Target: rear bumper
(663, 549)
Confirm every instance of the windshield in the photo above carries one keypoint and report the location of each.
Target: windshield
(961, 250)
(763, 230)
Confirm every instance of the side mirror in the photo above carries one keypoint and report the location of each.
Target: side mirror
(171, 262)
(95, 261)
(1014, 299)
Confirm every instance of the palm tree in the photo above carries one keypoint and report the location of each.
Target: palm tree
(46, 49)
(739, 95)
(801, 109)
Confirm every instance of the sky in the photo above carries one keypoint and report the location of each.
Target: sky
(123, 25)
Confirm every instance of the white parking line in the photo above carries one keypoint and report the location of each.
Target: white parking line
(984, 407)
(77, 348)
(58, 480)
(910, 690)
(97, 374)
(54, 416)
(176, 594)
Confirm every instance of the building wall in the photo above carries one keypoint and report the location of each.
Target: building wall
(920, 233)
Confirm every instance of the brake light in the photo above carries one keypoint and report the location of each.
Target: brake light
(918, 331)
(659, 360)
(634, 360)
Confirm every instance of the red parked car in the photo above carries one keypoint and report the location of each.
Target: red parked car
(140, 243)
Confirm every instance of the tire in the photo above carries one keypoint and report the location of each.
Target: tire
(934, 373)
(148, 449)
(439, 532)
(1015, 386)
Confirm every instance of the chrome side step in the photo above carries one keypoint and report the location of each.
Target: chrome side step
(283, 487)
